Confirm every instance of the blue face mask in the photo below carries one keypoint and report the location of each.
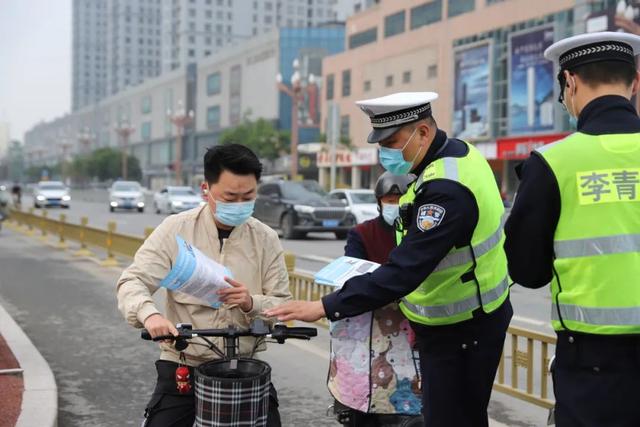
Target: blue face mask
(390, 213)
(392, 159)
(234, 214)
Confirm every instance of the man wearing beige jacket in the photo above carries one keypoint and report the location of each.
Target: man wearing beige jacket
(225, 231)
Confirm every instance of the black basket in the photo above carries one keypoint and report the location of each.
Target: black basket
(232, 393)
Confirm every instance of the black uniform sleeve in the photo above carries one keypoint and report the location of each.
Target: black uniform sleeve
(532, 224)
(415, 258)
(355, 246)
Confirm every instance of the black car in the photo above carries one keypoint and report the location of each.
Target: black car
(300, 207)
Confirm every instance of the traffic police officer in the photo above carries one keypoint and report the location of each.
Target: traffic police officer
(449, 269)
(576, 223)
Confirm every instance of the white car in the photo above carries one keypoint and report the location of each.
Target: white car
(126, 195)
(51, 193)
(362, 203)
(176, 199)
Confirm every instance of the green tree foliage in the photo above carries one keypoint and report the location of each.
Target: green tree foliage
(260, 136)
(103, 164)
(106, 164)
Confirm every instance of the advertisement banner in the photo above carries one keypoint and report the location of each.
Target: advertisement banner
(531, 82)
(520, 147)
(472, 92)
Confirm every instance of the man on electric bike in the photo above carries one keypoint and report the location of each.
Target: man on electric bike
(4, 204)
(224, 231)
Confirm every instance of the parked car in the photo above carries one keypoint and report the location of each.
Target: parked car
(51, 193)
(173, 200)
(362, 203)
(126, 195)
(301, 207)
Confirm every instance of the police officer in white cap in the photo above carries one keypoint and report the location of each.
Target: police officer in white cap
(449, 270)
(576, 224)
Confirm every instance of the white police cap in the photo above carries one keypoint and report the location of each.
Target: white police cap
(594, 47)
(388, 114)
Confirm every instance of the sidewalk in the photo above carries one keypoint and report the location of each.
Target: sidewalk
(11, 386)
(32, 398)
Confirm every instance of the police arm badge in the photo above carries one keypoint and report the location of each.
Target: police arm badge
(429, 216)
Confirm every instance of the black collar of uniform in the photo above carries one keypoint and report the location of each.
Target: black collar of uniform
(438, 142)
(609, 114)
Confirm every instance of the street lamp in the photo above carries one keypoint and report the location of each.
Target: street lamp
(124, 130)
(84, 137)
(297, 94)
(180, 118)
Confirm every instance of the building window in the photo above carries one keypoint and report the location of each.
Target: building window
(362, 38)
(192, 53)
(388, 81)
(213, 84)
(367, 85)
(426, 14)
(213, 117)
(145, 131)
(344, 126)
(458, 7)
(346, 83)
(394, 24)
(432, 71)
(406, 77)
(330, 83)
(145, 105)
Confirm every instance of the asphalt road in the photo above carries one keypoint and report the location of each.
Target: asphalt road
(94, 205)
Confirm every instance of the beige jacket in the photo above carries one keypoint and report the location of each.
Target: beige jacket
(252, 253)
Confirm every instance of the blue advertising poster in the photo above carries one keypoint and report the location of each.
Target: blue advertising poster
(471, 111)
(531, 83)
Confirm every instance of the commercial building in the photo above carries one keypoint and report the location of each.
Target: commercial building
(484, 58)
(221, 90)
(121, 43)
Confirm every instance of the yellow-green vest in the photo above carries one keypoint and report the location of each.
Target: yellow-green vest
(596, 284)
(472, 276)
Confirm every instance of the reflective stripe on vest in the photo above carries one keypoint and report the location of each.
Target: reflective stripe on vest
(464, 256)
(622, 243)
(598, 315)
(450, 166)
(458, 307)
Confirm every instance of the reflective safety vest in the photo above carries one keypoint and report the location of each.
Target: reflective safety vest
(596, 284)
(471, 276)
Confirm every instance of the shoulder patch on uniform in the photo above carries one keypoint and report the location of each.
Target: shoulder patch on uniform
(429, 216)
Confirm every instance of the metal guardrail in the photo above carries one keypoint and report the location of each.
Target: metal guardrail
(534, 359)
(109, 240)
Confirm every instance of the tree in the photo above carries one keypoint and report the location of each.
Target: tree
(106, 164)
(260, 136)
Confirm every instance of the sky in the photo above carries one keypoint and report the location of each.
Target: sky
(35, 62)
